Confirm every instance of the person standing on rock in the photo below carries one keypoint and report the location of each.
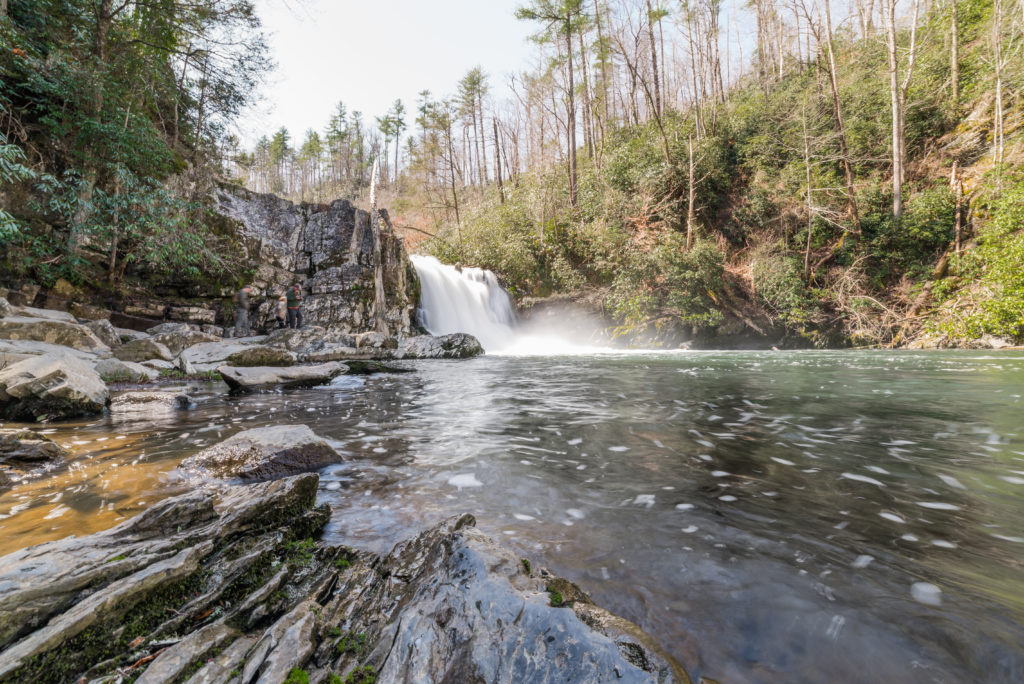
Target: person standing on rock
(282, 311)
(295, 307)
(242, 312)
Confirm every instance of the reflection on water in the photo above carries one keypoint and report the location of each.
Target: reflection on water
(794, 516)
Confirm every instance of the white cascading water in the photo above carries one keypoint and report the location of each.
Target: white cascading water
(471, 300)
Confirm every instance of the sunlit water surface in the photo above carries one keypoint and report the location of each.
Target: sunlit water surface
(768, 516)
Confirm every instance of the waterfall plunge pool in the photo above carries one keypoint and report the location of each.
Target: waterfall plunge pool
(794, 516)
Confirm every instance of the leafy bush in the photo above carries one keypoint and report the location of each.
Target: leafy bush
(667, 281)
(780, 287)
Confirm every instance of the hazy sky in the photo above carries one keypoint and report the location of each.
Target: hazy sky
(367, 53)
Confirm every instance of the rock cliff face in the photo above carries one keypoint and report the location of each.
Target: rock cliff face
(330, 250)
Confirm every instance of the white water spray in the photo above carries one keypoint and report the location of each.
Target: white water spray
(471, 300)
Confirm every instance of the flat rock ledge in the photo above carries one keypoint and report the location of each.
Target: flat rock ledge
(229, 584)
(271, 377)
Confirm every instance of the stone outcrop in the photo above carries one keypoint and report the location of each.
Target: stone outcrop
(51, 387)
(49, 330)
(179, 340)
(149, 402)
(115, 370)
(259, 355)
(25, 447)
(270, 377)
(228, 584)
(454, 346)
(143, 350)
(261, 454)
(102, 329)
(330, 249)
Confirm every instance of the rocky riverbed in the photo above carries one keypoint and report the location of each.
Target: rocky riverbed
(229, 583)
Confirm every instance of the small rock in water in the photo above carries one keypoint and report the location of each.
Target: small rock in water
(863, 561)
(926, 593)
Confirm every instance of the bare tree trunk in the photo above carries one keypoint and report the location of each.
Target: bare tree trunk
(837, 105)
(997, 119)
(954, 51)
(958, 189)
(889, 16)
(497, 162)
(691, 196)
(810, 209)
(571, 125)
(654, 59)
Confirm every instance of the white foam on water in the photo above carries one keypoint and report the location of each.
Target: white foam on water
(574, 442)
(892, 516)
(938, 506)
(644, 500)
(1012, 480)
(943, 544)
(719, 473)
(782, 461)
(464, 480)
(56, 512)
(862, 478)
(684, 507)
(728, 497)
(862, 561)
(523, 516)
(952, 481)
(909, 537)
(574, 513)
(878, 469)
(926, 593)
(690, 530)
(618, 448)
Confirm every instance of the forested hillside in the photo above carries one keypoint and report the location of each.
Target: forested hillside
(828, 173)
(112, 128)
(854, 180)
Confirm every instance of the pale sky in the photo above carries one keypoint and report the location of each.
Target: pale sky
(369, 53)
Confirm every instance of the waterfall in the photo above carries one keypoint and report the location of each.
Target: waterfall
(469, 300)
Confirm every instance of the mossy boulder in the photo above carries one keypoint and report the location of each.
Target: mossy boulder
(259, 355)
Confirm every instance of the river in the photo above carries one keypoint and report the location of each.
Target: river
(768, 516)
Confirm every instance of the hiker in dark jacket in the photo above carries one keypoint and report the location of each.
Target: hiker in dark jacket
(242, 312)
(294, 301)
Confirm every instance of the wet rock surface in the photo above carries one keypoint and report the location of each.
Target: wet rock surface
(26, 447)
(263, 454)
(51, 387)
(228, 583)
(150, 401)
(454, 346)
(269, 377)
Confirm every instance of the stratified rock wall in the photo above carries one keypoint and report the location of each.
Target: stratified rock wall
(329, 250)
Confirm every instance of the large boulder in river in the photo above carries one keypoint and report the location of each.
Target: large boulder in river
(51, 387)
(260, 454)
(172, 327)
(25, 447)
(149, 402)
(59, 332)
(116, 370)
(266, 377)
(178, 341)
(260, 355)
(208, 355)
(143, 350)
(102, 328)
(308, 339)
(230, 579)
(454, 346)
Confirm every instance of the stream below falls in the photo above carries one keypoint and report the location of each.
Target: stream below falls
(768, 516)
